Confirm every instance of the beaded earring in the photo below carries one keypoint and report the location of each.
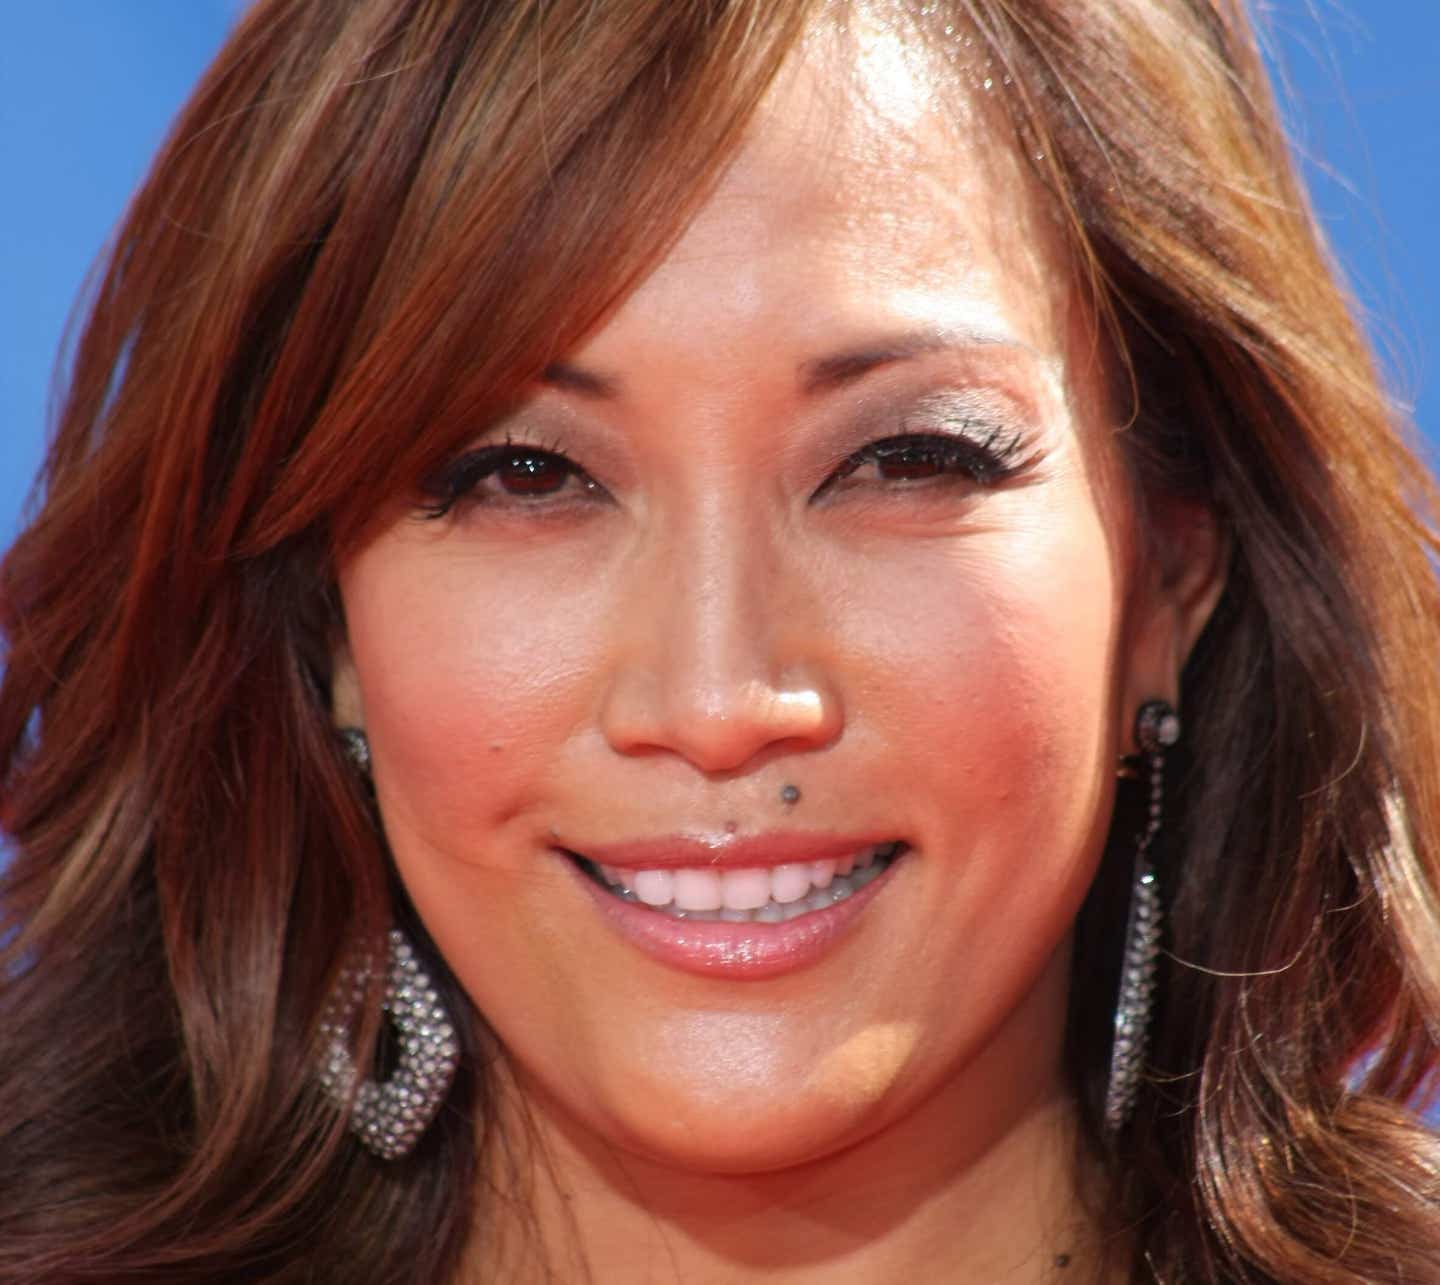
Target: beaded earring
(1157, 728)
(389, 1116)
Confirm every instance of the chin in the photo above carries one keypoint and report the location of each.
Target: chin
(764, 1142)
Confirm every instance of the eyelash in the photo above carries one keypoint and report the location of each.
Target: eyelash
(458, 479)
(984, 460)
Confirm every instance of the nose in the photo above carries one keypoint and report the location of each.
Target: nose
(722, 652)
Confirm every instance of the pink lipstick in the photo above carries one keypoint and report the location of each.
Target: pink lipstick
(739, 908)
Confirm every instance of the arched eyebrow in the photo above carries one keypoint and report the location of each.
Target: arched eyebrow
(818, 374)
(824, 373)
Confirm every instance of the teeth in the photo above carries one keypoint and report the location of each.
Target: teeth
(789, 883)
(761, 895)
(697, 890)
(653, 887)
(745, 889)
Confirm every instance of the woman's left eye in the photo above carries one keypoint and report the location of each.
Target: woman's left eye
(913, 459)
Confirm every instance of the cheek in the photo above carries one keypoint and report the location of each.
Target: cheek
(468, 676)
(993, 698)
(996, 683)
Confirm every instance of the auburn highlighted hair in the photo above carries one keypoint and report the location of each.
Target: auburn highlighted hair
(373, 225)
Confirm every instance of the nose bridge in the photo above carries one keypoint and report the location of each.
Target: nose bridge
(720, 581)
(718, 665)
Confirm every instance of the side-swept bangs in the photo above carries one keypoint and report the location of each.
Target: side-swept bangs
(380, 233)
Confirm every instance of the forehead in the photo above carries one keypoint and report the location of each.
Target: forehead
(880, 183)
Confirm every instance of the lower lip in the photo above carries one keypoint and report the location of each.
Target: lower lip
(742, 952)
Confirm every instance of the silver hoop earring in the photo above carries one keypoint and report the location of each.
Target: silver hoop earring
(1157, 728)
(389, 1116)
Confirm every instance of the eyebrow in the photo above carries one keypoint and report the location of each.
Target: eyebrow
(576, 379)
(845, 367)
(819, 374)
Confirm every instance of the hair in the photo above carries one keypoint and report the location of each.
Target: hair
(373, 225)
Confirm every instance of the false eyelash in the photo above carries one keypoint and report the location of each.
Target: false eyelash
(450, 484)
(984, 460)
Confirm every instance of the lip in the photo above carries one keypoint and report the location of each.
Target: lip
(730, 851)
(738, 952)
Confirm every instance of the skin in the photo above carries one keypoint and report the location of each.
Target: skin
(950, 661)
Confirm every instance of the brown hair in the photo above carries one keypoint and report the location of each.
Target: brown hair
(373, 225)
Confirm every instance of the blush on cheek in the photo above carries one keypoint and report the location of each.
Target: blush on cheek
(1004, 683)
(1002, 667)
(460, 705)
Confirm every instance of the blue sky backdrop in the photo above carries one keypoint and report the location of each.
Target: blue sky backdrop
(88, 87)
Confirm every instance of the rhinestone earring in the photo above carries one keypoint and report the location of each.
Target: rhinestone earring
(389, 1116)
(357, 748)
(1157, 728)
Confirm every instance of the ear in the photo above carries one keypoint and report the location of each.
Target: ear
(1182, 555)
(346, 709)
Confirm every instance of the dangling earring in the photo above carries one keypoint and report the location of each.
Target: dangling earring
(1157, 728)
(389, 1116)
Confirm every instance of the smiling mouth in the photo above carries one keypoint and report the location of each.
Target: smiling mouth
(764, 895)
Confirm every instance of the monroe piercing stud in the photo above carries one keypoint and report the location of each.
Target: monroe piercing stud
(790, 794)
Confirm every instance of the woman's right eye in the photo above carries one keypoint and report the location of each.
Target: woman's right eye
(511, 474)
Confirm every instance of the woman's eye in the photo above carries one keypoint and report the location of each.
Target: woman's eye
(515, 475)
(509, 474)
(913, 459)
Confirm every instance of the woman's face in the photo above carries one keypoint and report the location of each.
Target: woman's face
(830, 503)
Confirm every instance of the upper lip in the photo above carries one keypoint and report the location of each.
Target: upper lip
(729, 851)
